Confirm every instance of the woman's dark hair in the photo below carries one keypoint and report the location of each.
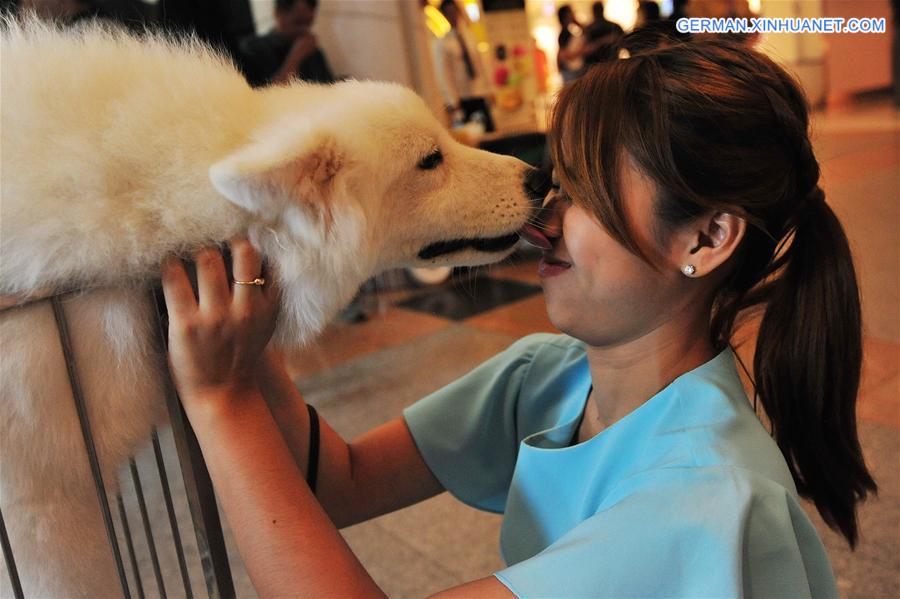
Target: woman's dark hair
(720, 127)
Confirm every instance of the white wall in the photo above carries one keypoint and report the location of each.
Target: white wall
(383, 40)
(363, 39)
(262, 14)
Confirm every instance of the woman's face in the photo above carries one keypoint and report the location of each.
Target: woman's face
(598, 291)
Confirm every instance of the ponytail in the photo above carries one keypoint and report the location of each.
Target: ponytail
(807, 366)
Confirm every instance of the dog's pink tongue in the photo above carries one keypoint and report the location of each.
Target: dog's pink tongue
(533, 235)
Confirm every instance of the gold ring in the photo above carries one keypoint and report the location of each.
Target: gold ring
(258, 282)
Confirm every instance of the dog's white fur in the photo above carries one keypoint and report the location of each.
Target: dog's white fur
(117, 152)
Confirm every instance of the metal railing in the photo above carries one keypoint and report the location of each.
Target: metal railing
(201, 501)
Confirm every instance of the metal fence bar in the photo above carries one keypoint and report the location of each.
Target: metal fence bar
(151, 545)
(78, 395)
(10, 560)
(130, 545)
(173, 521)
(198, 488)
(202, 503)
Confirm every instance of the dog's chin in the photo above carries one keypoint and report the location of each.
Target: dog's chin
(467, 252)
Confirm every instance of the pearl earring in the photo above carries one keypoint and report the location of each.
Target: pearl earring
(688, 269)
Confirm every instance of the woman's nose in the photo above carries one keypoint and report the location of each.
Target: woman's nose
(545, 227)
(550, 216)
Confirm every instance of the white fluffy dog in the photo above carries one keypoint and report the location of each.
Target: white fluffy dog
(117, 152)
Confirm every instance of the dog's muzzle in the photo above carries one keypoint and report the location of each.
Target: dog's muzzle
(536, 184)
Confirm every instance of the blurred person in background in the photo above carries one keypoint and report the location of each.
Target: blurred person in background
(289, 51)
(571, 41)
(653, 31)
(603, 36)
(679, 10)
(461, 74)
(647, 13)
(581, 47)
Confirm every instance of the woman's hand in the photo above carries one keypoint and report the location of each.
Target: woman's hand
(216, 342)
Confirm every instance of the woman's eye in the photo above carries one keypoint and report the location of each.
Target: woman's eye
(431, 161)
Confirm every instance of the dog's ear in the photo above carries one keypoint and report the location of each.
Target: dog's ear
(279, 169)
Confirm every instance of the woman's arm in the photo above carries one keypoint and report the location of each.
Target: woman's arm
(288, 542)
(215, 342)
(379, 472)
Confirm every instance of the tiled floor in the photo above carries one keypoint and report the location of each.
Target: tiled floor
(360, 375)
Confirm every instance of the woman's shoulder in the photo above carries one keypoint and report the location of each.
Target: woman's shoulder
(718, 531)
(712, 500)
(547, 354)
(743, 486)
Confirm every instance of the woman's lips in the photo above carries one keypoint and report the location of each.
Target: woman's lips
(550, 267)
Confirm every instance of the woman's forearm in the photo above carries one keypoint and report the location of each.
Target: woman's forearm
(335, 487)
(288, 543)
(379, 472)
(286, 405)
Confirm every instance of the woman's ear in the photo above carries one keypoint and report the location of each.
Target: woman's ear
(708, 242)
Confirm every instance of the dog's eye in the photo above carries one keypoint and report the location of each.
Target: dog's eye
(431, 161)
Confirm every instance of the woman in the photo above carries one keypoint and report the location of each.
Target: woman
(625, 456)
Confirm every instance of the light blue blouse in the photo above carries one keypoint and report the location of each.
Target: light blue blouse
(687, 496)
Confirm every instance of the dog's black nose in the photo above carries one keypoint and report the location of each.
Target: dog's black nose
(537, 185)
